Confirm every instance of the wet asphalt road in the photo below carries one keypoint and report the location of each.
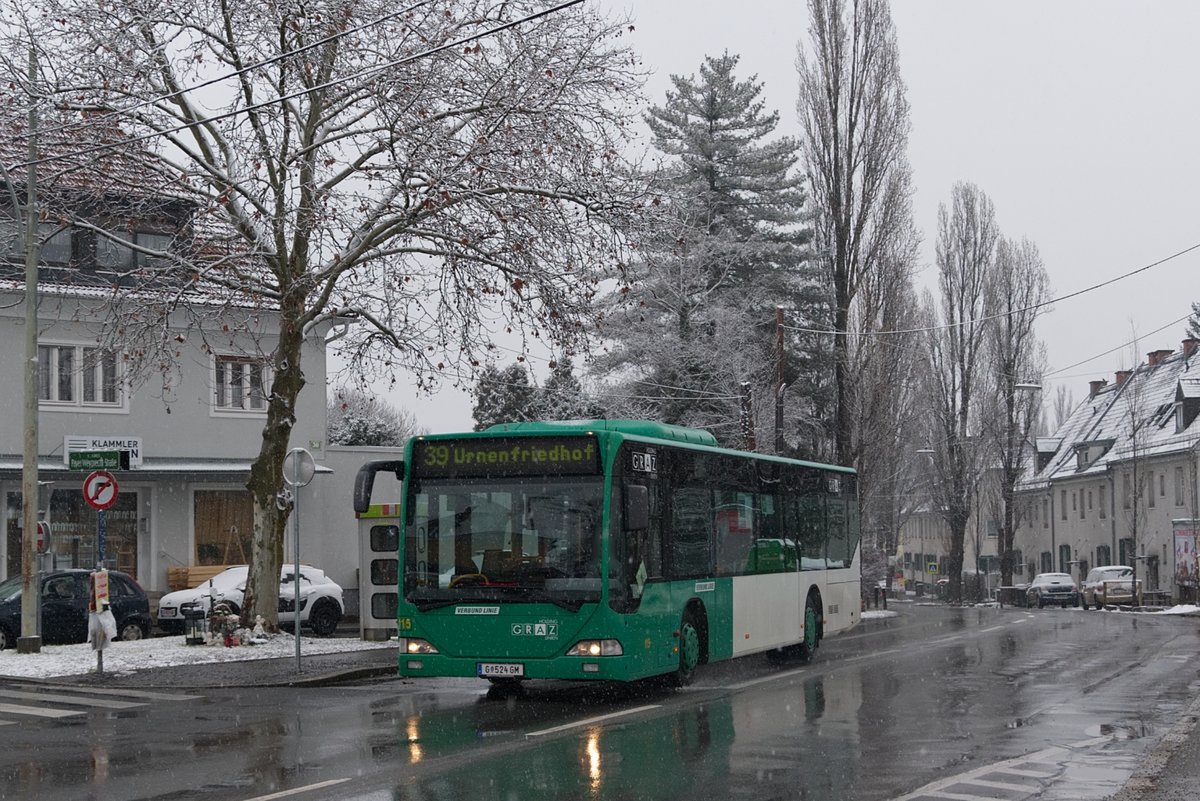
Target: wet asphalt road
(936, 703)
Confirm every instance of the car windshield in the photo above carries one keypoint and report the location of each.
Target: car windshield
(228, 579)
(529, 538)
(1116, 573)
(10, 588)
(1053, 578)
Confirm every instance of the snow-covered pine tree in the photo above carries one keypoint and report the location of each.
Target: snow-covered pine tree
(504, 396)
(732, 251)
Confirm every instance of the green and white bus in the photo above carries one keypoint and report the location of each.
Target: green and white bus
(613, 550)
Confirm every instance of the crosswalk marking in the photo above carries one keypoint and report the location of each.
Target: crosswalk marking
(995, 785)
(1031, 774)
(61, 701)
(77, 700)
(151, 696)
(36, 711)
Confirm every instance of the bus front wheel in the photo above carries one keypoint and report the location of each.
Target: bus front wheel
(689, 650)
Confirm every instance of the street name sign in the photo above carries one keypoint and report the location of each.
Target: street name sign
(98, 460)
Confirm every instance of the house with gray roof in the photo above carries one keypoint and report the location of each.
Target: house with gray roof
(1117, 482)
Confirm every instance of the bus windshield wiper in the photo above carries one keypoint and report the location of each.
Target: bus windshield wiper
(533, 594)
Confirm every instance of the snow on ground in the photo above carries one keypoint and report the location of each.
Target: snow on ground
(1182, 609)
(128, 657)
(877, 614)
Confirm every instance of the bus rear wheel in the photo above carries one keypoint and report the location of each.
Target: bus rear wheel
(689, 651)
(807, 649)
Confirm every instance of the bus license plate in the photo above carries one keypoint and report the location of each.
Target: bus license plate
(499, 669)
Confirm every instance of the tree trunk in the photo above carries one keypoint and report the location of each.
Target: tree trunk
(266, 477)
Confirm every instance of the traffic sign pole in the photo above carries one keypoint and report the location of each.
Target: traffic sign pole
(100, 493)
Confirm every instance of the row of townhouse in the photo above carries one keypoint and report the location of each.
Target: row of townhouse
(191, 433)
(1117, 483)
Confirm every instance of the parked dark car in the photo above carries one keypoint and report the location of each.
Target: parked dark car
(65, 607)
(1052, 588)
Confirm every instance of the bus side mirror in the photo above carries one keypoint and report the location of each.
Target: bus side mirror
(637, 507)
(364, 481)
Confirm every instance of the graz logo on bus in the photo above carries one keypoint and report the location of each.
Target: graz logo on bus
(547, 629)
(644, 462)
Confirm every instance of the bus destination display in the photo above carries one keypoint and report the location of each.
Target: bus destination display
(506, 457)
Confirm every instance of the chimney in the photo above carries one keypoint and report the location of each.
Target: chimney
(1155, 357)
(1094, 387)
(1123, 376)
(1189, 347)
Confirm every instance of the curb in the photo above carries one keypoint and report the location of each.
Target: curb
(328, 679)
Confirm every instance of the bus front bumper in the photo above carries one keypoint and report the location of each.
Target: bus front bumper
(571, 668)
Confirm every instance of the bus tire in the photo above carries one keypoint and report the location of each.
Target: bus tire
(807, 649)
(689, 650)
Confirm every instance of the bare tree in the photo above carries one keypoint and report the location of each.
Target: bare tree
(854, 116)
(1064, 404)
(887, 401)
(1017, 285)
(966, 248)
(437, 171)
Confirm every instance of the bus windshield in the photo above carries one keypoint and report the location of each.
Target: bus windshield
(534, 539)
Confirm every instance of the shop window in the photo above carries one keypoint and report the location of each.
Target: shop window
(224, 523)
(73, 527)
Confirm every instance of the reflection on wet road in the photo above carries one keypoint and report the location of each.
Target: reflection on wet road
(936, 703)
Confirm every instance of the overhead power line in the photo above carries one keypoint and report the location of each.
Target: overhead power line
(1031, 307)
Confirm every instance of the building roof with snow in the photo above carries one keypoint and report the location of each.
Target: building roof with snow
(1148, 411)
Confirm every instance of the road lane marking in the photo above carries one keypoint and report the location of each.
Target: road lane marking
(69, 699)
(297, 790)
(590, 721)
(17, 709)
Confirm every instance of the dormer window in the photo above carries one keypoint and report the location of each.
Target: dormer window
(112, 252)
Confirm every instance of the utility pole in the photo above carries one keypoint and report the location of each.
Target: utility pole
(30, 640)
(779, 385)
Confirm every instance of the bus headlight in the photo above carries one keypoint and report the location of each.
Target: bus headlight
(596, 648)
(412, 645)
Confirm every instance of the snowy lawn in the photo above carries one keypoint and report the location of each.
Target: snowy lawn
(128, 657)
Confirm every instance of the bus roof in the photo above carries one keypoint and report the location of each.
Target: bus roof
(643, 429)
(638, 428)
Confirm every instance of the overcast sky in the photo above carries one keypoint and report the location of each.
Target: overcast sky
(1080, 119)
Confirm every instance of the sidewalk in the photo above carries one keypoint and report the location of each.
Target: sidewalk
(316, 670)
(1172, 771)
(168, 662)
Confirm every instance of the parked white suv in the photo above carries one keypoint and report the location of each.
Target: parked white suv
(321, 606)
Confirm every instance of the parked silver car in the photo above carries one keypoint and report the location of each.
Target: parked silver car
(1109, 584)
